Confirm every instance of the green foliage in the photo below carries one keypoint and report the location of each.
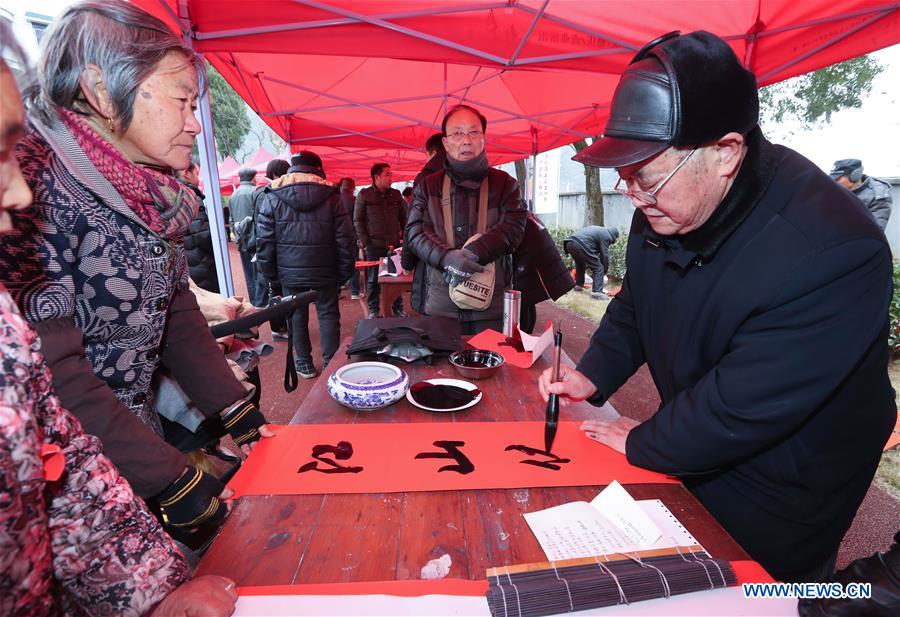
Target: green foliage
(816, 95)
(559, 235)
(617, 257)
(229, 114)
(894, 332)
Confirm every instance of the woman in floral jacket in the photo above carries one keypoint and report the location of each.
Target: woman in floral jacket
(97, 265)
(73, 536)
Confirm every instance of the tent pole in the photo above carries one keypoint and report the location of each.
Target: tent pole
(210, 175)
(209, 172)
(532, 206)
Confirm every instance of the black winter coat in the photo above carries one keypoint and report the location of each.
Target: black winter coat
(425, 230)
(303, 234)
(198, 247)
(408, 259)
(379, 217)
(538, 264)
(765, 332)
(349, 202)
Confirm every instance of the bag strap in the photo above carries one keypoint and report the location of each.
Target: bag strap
(483, 206)
(447, 209)
(290, 370)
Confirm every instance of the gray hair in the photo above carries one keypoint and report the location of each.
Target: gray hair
(246, 174)
(123, 41)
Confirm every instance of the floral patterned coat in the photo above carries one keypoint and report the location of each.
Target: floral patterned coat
(110, 301)
(81, 543)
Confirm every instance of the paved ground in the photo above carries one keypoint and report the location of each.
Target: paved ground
(872, 530)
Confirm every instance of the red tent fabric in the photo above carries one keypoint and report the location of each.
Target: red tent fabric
(362, 81)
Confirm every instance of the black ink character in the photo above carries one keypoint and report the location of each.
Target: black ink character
(553, 464)
(463, 466)
(342, 452)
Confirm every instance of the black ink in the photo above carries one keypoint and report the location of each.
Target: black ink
(463, 466)
(342, 452)
(439, 396)
(515, 343)
(553, 464)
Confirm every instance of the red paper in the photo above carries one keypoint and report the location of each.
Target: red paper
(496, 341)
(747, 571)
(410, 588)
(894, 439)
(54, 461)
(387, 455)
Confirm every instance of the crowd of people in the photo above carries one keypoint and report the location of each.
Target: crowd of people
(775, 395)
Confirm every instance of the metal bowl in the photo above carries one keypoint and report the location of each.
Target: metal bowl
(476, 363)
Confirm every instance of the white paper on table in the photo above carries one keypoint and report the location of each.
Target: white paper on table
(537, 344)
(622, 510)
(383, 268)
(578, 529)
(725, 602)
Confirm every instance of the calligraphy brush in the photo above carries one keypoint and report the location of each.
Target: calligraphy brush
(553, 399)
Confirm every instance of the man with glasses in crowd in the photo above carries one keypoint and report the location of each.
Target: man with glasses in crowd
(757, 292)
(452, 257)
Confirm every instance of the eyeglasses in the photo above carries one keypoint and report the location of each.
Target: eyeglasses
(649, 199)
(459, 135)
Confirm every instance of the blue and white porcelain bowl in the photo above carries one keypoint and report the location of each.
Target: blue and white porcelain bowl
(367, 386)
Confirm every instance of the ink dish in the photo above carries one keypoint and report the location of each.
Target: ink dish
(444, 395)
(476, 363)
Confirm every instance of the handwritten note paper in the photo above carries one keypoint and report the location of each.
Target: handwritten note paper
(623, 511)
(581, 529)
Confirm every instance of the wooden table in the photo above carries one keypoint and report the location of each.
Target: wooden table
(364, 537)
(392, 287)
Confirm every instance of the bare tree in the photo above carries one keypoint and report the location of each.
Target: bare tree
(593, 209)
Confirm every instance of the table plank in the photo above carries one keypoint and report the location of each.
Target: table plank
(264, 539)
(430, 530)
(354, 539)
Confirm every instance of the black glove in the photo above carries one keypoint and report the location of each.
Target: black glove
(243, 423)
(461, 264)
(192, 499)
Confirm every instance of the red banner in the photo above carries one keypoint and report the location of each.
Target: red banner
(391, 458)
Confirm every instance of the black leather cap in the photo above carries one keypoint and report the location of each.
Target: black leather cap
(677, 91)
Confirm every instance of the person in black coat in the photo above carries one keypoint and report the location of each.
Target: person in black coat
(539, 271)
(305, 240)
(757, 292)
(589, 248)
(437, 156)
(445, 253)
(198, 244)
(347, 187)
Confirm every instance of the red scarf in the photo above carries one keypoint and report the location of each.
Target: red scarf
(160, 201)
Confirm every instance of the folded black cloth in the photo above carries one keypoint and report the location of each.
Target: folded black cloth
(439, 334)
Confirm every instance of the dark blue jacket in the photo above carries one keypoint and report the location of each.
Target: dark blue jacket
(304, 237)
(765, 332)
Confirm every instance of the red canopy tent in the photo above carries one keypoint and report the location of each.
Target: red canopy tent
(366, 81)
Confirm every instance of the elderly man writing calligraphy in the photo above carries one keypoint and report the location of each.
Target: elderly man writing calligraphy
(757, 292)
